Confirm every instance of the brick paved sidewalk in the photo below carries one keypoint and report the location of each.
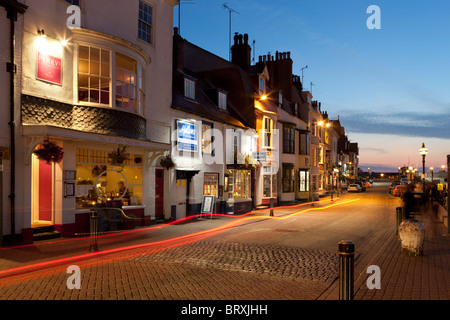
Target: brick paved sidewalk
(404, 277)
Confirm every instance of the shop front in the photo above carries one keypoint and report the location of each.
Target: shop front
(64, 193)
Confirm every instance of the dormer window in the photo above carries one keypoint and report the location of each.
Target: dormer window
(280, 98)
(222, 98)
(261, 86)
(189, 88)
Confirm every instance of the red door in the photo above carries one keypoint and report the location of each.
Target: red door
(45, 191)
(159, 193)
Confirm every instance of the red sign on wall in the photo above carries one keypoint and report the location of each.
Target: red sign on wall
(49, 68)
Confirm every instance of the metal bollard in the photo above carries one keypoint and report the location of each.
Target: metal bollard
(271, 207)
(94, 232)
(346, 270)
(399, 217)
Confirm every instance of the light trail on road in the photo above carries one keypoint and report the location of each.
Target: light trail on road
(17, 271)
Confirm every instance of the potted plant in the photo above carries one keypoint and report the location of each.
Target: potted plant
(49, 152)
(118, 156)
(167, 161)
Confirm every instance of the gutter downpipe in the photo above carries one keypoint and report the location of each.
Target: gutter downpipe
(12, 8)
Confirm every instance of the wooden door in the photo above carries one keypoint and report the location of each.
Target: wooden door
(159, 193)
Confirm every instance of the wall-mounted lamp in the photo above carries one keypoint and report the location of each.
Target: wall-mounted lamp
(263, 97)
(41, 33)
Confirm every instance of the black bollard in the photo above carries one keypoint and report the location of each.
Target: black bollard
(271, 207)
(93, 246)
(346, 272)
(399, 211)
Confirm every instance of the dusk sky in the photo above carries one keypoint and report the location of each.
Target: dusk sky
(390, 87)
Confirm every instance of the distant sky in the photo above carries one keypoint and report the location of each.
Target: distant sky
(390, 87)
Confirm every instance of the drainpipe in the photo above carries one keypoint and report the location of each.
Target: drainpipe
(12, 8)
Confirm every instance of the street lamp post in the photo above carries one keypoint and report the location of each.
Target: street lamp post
(423, 152)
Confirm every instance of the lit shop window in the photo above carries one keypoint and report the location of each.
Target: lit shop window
(145, 22)
(211, 184)
(269, 182)
(239, 183)
(303, 180)
(97, 181)
(126, 81)
(94, 75)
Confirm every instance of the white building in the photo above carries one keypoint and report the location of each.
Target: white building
(91, 78)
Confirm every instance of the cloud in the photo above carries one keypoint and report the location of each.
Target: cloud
(415, 124)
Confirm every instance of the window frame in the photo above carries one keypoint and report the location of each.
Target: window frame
(216, 183)
(134, 86)
(268, 133)
(303, 184)
(288, 177)
(288, 139)
(222, 100)
(303, 147)
(148, 34)
(261, 85)
(189, 88)
(268, 171)
(139, 86)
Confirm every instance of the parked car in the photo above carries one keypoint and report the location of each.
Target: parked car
(393, 185)
(399, 190)
(354, 188)
(362, 185)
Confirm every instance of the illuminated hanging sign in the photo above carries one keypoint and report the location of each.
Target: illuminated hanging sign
(49, 68)
(187, 139)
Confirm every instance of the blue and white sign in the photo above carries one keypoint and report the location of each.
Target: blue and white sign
(187, 137)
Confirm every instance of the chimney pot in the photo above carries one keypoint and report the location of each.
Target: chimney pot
(246, 38)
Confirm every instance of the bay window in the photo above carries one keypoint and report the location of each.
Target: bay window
(94, 75)
(98, 68)
(126, 70)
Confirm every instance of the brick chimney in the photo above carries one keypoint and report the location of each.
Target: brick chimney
(241, 50)
(280, 67)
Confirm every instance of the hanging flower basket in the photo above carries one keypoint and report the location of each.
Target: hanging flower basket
(118, 156)
(49, 152)
(167, 161)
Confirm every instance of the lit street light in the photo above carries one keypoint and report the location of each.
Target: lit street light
(423, 152)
